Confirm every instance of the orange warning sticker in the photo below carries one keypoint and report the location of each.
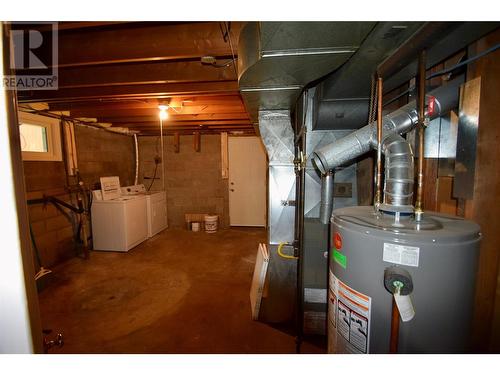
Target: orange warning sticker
(337, 241)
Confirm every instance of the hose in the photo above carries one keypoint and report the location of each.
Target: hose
(42, 271)
(280, 253)
(154, 177)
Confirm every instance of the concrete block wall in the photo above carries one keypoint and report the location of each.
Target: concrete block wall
(99, 154)
(102, 153)
(193, 180)
(53, 231)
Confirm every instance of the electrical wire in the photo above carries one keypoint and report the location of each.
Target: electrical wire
(225, 65)
(465, 62)
(446, 71)
(154, 176)
(42, 271)
(228, 32)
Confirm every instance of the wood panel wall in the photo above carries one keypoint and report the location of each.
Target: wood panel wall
(484, 208)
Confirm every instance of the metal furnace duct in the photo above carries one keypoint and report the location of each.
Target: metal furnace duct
(276, 60)
(399, 175)
(400, 121)
(325, 210)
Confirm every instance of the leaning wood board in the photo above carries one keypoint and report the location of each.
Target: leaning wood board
(258, 280)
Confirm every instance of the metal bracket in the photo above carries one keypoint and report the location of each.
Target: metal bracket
(300, 163)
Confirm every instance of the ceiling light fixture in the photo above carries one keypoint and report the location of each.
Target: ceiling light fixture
(163, 111)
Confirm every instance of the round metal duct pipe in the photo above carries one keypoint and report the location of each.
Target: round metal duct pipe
(400, 121)
(326, 207)
(399, 175)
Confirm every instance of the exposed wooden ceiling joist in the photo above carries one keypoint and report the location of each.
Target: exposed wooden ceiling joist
(136, 91)
(155, 124)
(120, 72)
(176, 102)
(173, 113)
(143, 73)
(172, 117)
(149, 41)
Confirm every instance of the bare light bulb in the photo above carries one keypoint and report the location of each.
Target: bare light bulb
(163, 112)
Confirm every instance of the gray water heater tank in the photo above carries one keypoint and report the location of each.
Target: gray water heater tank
(439, 255)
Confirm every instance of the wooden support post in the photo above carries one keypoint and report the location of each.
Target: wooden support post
(176, 142)
(484, 208)
(224, 155)
(197, 141)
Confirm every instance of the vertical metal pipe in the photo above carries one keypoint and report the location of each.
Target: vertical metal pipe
(421, 129)
(378, 187)
(162, 157)
(136, 144)
(300, 172)
(326, 206)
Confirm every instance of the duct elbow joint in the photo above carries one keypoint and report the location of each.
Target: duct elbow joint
(399, 175)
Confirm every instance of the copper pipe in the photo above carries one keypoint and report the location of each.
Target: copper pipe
(421, 129)
(393, 345)
(378, 188)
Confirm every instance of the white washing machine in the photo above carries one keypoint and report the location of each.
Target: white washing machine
(119, 223)
(156, 203)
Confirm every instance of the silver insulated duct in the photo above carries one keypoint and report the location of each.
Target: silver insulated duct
(398, 186)
(326, 207)
(400, 121)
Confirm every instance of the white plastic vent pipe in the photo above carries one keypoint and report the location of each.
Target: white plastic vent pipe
(136, 180)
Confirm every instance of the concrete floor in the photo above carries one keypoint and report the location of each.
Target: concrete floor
(179, 292)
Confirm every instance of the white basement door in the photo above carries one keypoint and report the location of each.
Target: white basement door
(247, 181)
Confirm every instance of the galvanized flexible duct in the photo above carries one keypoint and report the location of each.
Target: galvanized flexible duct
(400, 121)
(326, 207)
(399, 175)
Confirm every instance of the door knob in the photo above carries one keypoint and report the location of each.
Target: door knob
(231, 189)
(58, 341)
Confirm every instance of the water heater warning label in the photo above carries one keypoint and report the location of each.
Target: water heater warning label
(400, 254)
(349, 315)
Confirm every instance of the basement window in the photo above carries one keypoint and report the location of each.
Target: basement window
(40, 137)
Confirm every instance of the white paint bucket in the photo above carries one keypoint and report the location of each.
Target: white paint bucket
(195, 227)
(211, 223)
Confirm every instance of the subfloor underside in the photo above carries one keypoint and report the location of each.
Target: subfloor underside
(179, 292)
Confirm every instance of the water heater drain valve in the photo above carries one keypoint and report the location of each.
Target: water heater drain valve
(399, 283)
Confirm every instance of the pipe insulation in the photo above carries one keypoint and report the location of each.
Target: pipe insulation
(400, 122)
(136, 180)
(326, 207)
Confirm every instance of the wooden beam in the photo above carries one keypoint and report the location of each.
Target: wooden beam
(195, 128)
(197, 141)
(143, 73)
(224, 155)
(153, 111)
(141, 42)
(176, 118)
(484, 208)
(162, 90)
(154, 124)
(190, 132)
(68, 25)
(176, 102)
